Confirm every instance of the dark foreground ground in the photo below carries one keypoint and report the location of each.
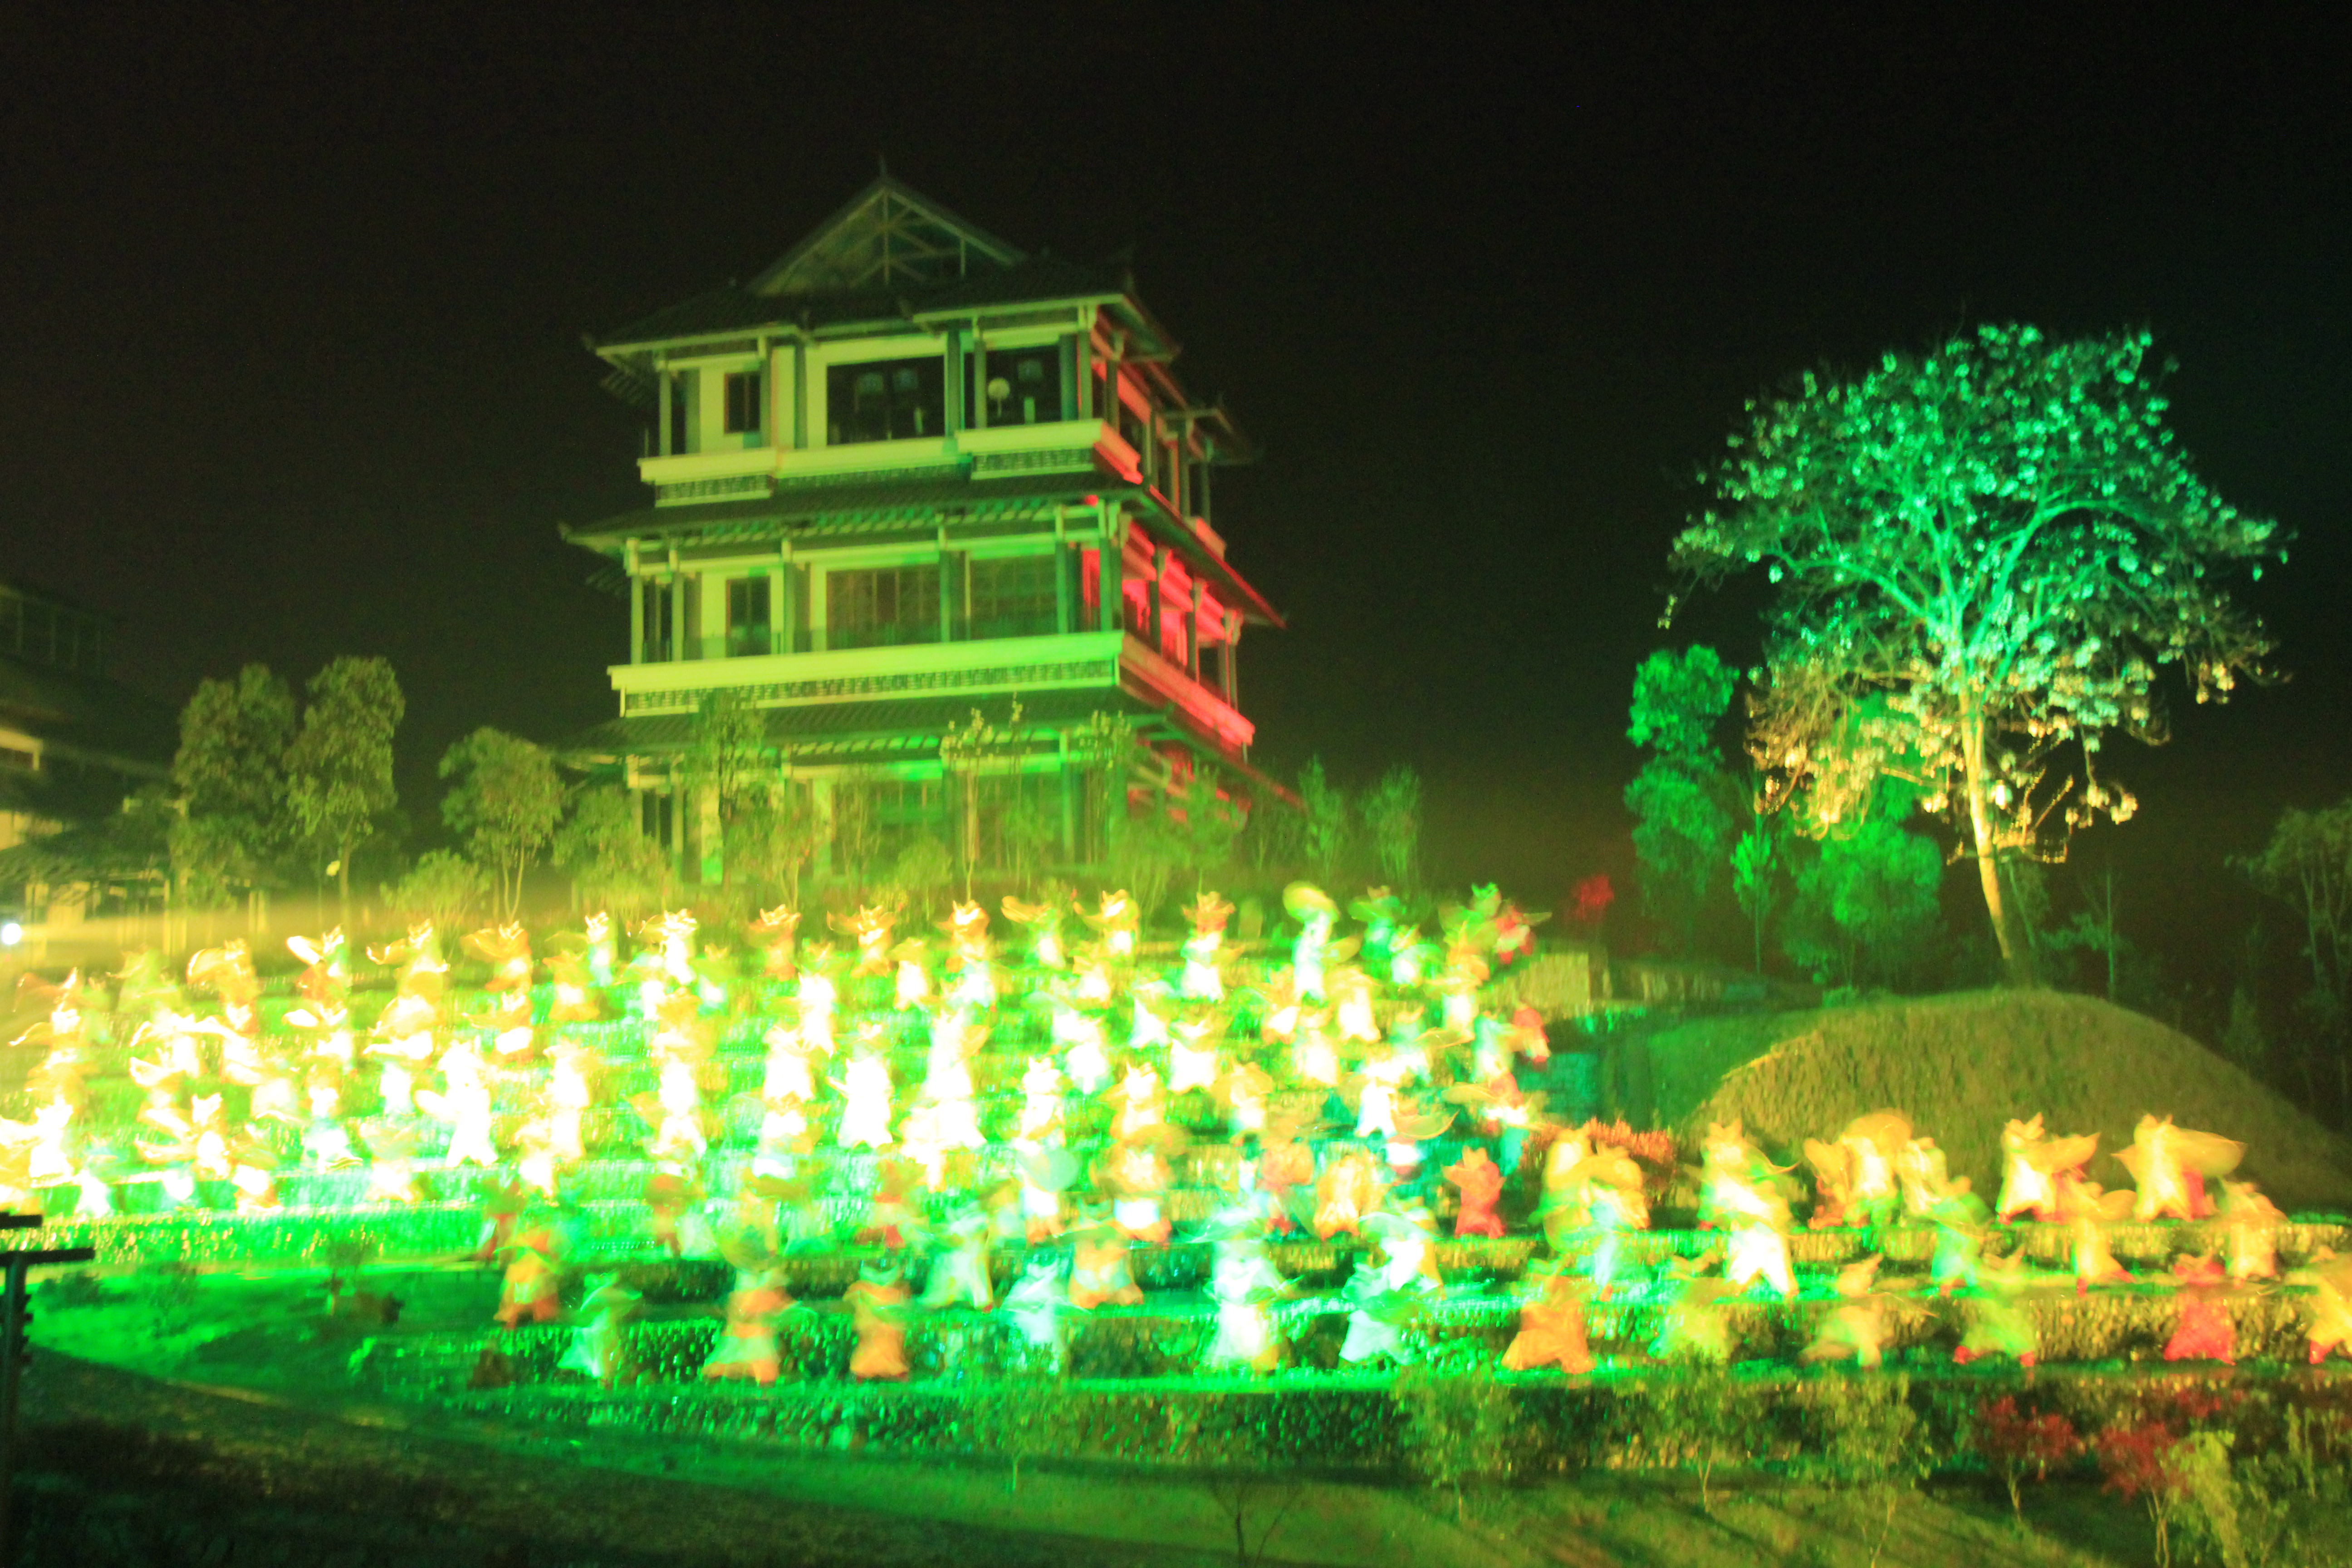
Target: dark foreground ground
(232, 1434)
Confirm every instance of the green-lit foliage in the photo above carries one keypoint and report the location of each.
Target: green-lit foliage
(507, 802)
(1456, 1426)
(1758, 873)
(2001, 538)
(1700, 1421)
(339, 768)
(230, 771)
(1865, 912)
(1682, 831)
(611, 862)
(1392, 815)
(726, 760)
(443, 887)
(775, 833)
(1329, 831)
(2307, 867)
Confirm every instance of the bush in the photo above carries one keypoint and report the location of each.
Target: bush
(1456, 1428)
(443, 887)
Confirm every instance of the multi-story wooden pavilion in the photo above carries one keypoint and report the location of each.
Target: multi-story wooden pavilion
(905, 474)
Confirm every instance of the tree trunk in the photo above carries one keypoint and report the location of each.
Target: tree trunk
(2016, 964)
(344, 882)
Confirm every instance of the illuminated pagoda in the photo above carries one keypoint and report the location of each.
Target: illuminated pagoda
(906, 473)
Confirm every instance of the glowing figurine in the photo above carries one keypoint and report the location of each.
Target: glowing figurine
(878, 1301)
(533, 1276)
(2327, 1309)
(2204, 1332)
(1551, 1327)
(1194, 1061)
(1099, 1275)
(1043, 923)
(2171, 1165)
(1693, 1327)
(960, 1274)
(600, 1344)
(866, 1098)
(776, 933)
(1856, 1175)
(1860, 1323)
(1244, 1282)
(1384, 1298)
(2031, 1166)
(2250, 1222)
(1919, 1166)
(871, 927)
(1116, 921)
(1999, 1322)
(1480, 1182)
(1203, 979)
(746, 1346)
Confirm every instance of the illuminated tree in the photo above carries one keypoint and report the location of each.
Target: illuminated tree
(1865, 910)
(607, 856)
(728, 758)
(1391, 810)
(339, 768)
(1683, 828)
(230, 772)
(1999, 542)
(507, 802)
(1329, 823)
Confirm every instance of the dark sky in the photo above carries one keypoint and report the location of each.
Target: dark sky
(291, 306)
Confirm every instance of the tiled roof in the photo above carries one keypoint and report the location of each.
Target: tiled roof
(735, 309)
(838, 726)
(807, 507)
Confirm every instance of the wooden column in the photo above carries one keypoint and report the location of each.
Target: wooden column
(677, 611)
(1192, 634)
(661, 404)
(1158, 597)
(637, 606)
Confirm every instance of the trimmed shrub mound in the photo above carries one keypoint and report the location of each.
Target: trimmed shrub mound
(1962, 1066)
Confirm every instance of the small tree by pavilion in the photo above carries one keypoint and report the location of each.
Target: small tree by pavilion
(1683, 824)
(600, 847)
(2001, 541)
(230, 772)
(2308, 865)
(728, 757)
(339, 766)
(506, 801)
(1391, 814)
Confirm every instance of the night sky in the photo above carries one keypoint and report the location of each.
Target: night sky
(293, 307)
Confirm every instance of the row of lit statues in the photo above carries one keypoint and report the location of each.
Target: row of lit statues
(1062, 1089)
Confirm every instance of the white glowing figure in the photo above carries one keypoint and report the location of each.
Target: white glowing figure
(789, 1073)
(1312, 1055)
(866, 1103)
(396, 1083)
(1139, 1104)
(1041, 1100)
(95, 1200)
(1761, 1250)
(569, 1096)
(781, 1129)
(464, 1102)
(1193, 1060)
(1147, 1030)
(1080, 1036)
(681, 1094)
(326, 1142)
(818, 996)
(948, 1067)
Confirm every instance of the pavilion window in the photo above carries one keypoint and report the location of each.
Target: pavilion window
(882, 608)
(658, 629)
(743, 403)
(747, 616)
(886, 400)
(1024, 386)
(1012, 596)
